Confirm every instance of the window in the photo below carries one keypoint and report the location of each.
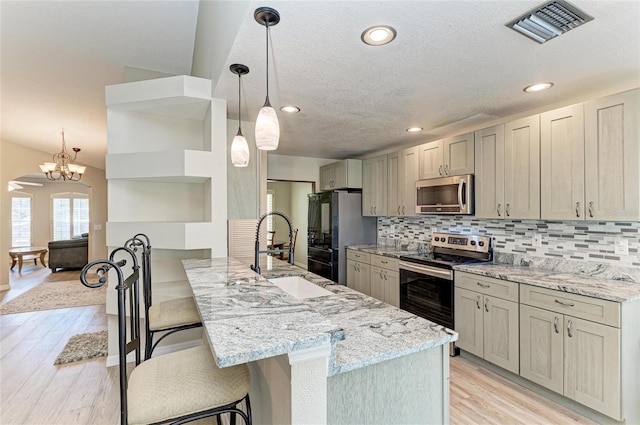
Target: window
(21, 219)
(270, 203)
(69, 215)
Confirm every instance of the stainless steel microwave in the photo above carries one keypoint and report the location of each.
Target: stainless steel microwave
(446, 195)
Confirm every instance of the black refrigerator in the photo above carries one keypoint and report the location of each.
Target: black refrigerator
(335, 222)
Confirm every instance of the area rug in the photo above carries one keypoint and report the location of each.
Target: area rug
(53, 295)
(83, 347)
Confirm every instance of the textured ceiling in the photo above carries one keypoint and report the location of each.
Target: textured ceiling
(452, 65)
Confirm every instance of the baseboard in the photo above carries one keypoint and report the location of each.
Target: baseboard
(553, 396)
(113, 360)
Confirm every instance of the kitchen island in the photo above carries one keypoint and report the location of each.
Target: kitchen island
(342, 357)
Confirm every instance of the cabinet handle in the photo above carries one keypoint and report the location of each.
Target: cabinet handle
(403, 210)
(478, 302)
(381, 276)
(371, 210)
(565, 304)
(569, 331)
(578, 209)
(483, 285)
(486, 305)
(398, 209)
(498, 210)
(440, 170)
(591, 209)
(555, 325)
(446, 169)
(375, 210)
(506, 210)
(385, 277)
(384, 262)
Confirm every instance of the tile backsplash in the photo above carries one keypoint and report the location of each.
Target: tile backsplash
(593, 241)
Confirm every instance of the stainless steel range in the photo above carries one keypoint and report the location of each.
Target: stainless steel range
(426, 282)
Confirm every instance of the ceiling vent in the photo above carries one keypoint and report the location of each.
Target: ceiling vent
(549, 20)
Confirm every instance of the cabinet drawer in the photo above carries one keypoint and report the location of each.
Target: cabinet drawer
(363, 257)
(587, 308)
(385, 262)
(487, 285)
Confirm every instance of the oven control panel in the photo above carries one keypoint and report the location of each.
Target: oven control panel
(464, 242)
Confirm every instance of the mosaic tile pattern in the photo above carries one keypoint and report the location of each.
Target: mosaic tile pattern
(569, 240)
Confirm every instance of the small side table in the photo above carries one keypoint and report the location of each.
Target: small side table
(27, 253)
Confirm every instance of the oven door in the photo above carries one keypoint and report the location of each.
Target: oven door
(427, 292)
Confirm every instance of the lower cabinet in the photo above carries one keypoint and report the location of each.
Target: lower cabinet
(570, 355)
(385, 279)
(374, 275)
(487, 327)
(358, 271)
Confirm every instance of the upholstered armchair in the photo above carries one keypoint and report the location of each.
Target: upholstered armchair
(69, 254)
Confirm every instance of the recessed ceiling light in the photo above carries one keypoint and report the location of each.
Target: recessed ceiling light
(290, 109)
(378, 35)
(538, 87)
(414, 129)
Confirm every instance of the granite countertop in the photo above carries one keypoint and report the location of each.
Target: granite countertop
(606, 289)
(387, 251)
(248, 318)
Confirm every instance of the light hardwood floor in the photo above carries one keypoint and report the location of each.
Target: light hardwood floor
(34, 391)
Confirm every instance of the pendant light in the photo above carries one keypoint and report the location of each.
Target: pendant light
(267, 126)
(239, 146)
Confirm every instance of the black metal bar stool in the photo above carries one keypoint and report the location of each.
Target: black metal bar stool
(174, 388)
(167, 317)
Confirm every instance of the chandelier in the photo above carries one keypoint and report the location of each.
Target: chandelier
(63, 166)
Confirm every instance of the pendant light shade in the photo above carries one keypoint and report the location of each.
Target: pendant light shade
(239, 146)
(267, 125)
(267, 129)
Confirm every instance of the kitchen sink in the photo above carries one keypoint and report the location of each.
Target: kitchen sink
(299, 287)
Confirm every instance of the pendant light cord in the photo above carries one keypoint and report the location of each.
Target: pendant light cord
(266, 25)
(239, 105)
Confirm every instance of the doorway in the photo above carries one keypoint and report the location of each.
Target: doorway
(290, 198)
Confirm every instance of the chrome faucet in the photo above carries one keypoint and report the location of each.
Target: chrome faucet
(256, 267)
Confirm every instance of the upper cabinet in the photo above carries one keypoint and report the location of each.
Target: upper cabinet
(402, 167)
(522, 168)
(489, 178)
(345, 174)
(453, 156)
(612, 140)
(562, 164)
(508, 170)
(374, 186)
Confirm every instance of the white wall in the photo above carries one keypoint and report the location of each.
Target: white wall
(296, 168)
(299, 212)
(17, 161)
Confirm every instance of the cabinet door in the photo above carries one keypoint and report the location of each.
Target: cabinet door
(562, 164)
(501, 333)
(459, 155)
(340, 175)
(326, 177)
(377, 283)
(367, 187)
(379, 177)
(430, 162)
(541, 347)
(522, 168)
(408, 178)
(592, 365)
(468, 321)
(352, 274)
(395, 188)
(489, 178)
(612, 154)
(363, 279)
(392, 288)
